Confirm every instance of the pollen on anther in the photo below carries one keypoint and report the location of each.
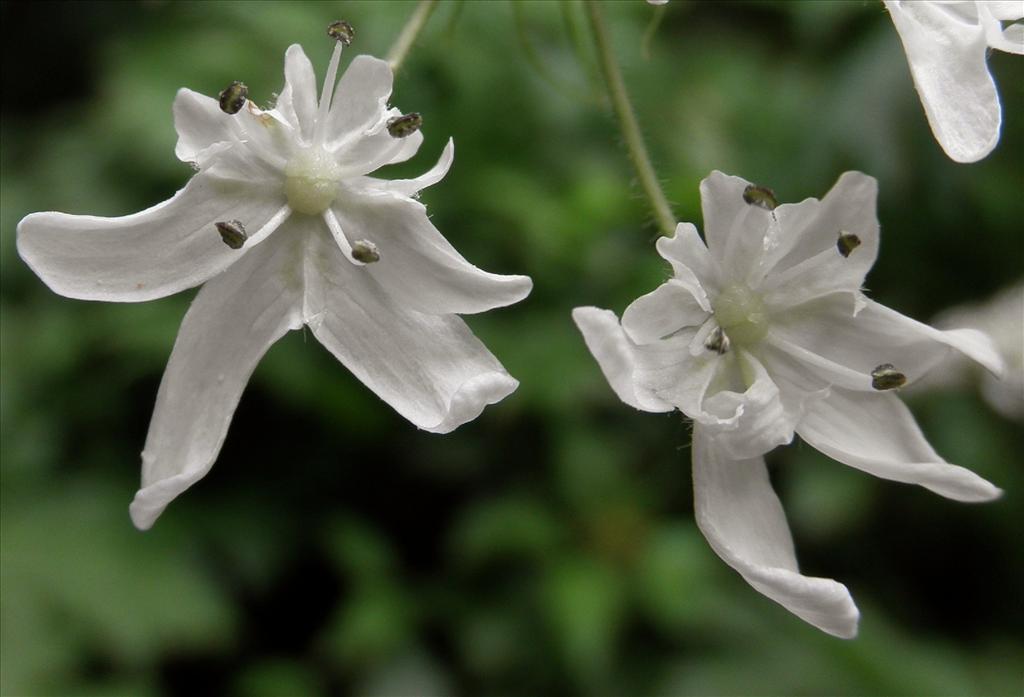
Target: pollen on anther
(232, 98)
(404, 126)
(760, 196)
(886, 377)
(365, 251)
(341, 31)
(232, 232)
(847, 242)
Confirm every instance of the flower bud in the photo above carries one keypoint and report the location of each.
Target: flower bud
(365, 251)
(760, 196)
(404, 126)
(341, 31)
(232, 98)
(232, 232)
(886, 377)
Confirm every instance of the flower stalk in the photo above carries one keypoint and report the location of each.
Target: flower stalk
(413, 26)
(635, 146)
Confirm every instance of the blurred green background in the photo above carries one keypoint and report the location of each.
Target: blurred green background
(549, 546)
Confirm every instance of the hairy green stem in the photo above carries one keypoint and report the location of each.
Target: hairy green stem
(403, 44)
(627, 122)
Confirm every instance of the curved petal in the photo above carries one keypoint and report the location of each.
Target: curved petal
(616, 356)
(734, 229)
(663, 311)
(990, 16)
(803, 250)
(744, 523)
(199, 123)
(430, 369)
(418, 268)
(830, 328)
(297, 101)
(751, 422)
(412, 187)
(947, 60)
(376, 148)
(877, 433)
(360, 99)
(234, 319)
(162, 250)
(689, 257)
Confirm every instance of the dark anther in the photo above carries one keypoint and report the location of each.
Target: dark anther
(365, 251)
(760, 196)
(717, 341)
(232, 98)
(233, 233)
(847, 243)
(886, 377)
(402, 126)
(341, 31)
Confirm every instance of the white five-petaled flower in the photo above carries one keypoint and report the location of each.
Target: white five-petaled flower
(946, 44)
(762, 333)
(299, 217)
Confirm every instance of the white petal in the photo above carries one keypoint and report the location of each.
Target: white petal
(828, 328)
(360, 99)
(947, 61)
(802, 254)
(615, 355)
(689, 257)
(751, 422)
(162, 250)
(744, 523)
(234, 319)
(875, 432)
(1011, 40)
(430, 369)
(411, 187)
(298, 101)
(989, 17)
(663, 311)
(200, 123)
(376, 148)
(418, 268)
(734, 229)
(677, 376)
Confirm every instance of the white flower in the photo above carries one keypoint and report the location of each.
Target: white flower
(278, 223)
(1002, 318)
(763, 333)
(946, 45)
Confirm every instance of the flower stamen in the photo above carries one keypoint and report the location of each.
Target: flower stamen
(365, 251)
(886, 377)
(336, 31)
(847, 243)
(760, 196)
(718, 342)
(232, 232)
(233, 97)
(404, 126)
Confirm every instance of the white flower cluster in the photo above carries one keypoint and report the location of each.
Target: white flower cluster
(762, 333)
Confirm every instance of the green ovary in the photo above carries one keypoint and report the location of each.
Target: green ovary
(311, 183)
(741, 315)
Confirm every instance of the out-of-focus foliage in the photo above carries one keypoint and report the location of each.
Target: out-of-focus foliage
(548, 547)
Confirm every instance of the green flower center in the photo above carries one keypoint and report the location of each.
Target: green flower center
(740, 313)
(311, 183)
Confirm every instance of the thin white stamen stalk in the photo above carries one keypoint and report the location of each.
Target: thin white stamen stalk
(269, 227)
(326, 95)
(339, 237)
